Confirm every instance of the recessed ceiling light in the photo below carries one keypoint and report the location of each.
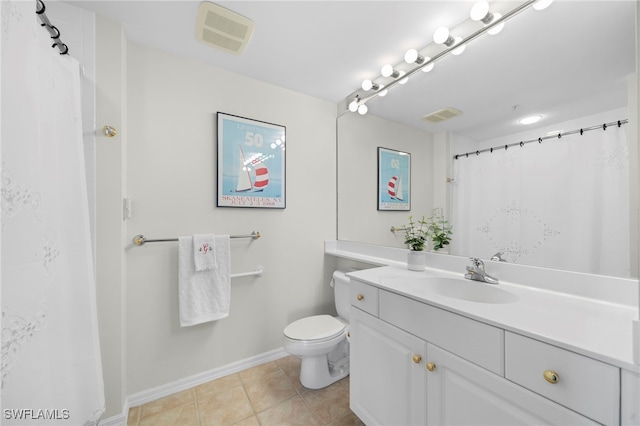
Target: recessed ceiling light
(530, 120)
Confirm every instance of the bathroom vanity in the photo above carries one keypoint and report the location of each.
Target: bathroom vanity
(433, 348)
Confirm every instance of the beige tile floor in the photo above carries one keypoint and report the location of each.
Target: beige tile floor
(269, 394)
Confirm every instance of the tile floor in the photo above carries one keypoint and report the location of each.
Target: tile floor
(269, 394)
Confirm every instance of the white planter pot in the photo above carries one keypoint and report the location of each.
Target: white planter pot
(416, 260)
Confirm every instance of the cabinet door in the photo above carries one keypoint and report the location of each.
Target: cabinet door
(388, 374)
(461, 393)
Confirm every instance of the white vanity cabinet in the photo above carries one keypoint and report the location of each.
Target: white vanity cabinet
(414, 363)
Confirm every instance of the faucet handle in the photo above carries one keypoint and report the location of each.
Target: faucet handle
(477, 262)
(498, 257)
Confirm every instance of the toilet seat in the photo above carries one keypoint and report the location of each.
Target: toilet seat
(315, 328)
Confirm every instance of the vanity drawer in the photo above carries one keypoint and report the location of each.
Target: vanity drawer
(474, 341)
(364, 296)
(583, 384)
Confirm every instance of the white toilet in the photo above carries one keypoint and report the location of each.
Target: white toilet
(320, 341)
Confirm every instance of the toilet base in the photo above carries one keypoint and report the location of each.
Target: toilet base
(316, 372)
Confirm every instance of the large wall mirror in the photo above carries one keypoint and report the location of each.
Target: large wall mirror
(575, 65)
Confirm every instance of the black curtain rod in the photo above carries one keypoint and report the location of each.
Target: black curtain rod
(53, 31)
(604, 126)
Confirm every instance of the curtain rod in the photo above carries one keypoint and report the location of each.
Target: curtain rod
(53, 31)
(604, 126)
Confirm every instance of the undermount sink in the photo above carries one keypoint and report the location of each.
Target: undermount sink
(472, 291)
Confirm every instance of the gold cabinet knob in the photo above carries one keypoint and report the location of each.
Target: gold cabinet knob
(417, 358)
(431, 366)
(359, 297)
(551, 376)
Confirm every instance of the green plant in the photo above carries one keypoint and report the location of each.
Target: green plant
(416, 233)
(439, 230)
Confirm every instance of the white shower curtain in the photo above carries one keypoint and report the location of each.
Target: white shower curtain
(562, 203)
(51, 366)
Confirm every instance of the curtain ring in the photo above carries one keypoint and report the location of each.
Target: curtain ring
(477, 152)
(619, 123)
(521, 144)
(53, 27)
(559, 135)
(66, 49)
(455, 157)
(539, 140)
(604, 126)
(581, 131)
(506, 147)
(467, 155)
(40, 11)
(491, 150)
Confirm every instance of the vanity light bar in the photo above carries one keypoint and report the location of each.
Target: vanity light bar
(581, 131)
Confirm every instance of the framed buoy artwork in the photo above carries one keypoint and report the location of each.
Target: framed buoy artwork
(394, 180)
(251, 163)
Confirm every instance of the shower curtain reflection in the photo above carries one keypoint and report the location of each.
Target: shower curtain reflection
(560, 204)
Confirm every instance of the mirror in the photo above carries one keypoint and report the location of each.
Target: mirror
(553, 62)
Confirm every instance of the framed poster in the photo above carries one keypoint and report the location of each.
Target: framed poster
(251, 163)
(394, 180)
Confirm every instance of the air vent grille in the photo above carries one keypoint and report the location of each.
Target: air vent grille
(222, 28)
(442, 115)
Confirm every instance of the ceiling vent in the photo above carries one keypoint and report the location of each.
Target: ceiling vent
(442, 115)
(220, 27)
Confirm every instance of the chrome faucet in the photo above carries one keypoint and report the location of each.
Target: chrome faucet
(477, 272)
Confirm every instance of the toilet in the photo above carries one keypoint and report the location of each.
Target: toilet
(320, 341)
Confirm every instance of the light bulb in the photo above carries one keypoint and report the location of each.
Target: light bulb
(441, 35)
(404, 80)
(542, 4)
(428, 67)
(382, 92)
(387, 70)
(479, 10)
(460, 49)
(367, 85)
(496, 29)
(362, 109)
(411, 56)
(353, 106)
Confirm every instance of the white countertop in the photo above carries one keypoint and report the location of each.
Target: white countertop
(599, 329)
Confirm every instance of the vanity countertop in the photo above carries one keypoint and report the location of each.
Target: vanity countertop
(600, 330)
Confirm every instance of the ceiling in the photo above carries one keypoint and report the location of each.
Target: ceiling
(567, 61)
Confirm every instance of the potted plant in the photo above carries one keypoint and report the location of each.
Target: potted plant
(439, 230)
(416, 234)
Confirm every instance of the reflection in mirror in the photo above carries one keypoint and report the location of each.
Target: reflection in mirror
(546, 72)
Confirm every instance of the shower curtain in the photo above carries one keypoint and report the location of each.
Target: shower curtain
(51, 366)
(562, 203)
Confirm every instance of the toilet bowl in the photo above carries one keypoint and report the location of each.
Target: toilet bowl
(320, 341)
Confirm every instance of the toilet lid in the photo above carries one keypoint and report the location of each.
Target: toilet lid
(314, 328)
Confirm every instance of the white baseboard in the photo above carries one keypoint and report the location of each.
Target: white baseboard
(153, 394)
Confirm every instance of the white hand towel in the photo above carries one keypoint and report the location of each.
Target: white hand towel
(204, 253)
(203, 295)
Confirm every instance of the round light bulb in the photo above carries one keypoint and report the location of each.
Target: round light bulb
(428, 67)
(441, 35)
(404, 80)
(382, 92)
(353, 106)
(479, 10)
(387, 70)
(411, 56)
(496, 29)
(542, 4)
(362, 109)
(367, 85)
(460, 49)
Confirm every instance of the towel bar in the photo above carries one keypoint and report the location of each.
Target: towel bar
(140, 239)
(257, 273)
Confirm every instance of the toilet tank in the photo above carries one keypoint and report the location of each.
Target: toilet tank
(341, 291)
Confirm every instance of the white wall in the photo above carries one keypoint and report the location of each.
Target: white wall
(171, 178)
(359, 138)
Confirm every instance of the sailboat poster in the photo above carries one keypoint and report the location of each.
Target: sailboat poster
(394, 180)
(251, 163)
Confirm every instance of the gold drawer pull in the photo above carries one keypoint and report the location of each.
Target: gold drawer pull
(551, 376)
(417, 358)
(431, 366)
(360, 297)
